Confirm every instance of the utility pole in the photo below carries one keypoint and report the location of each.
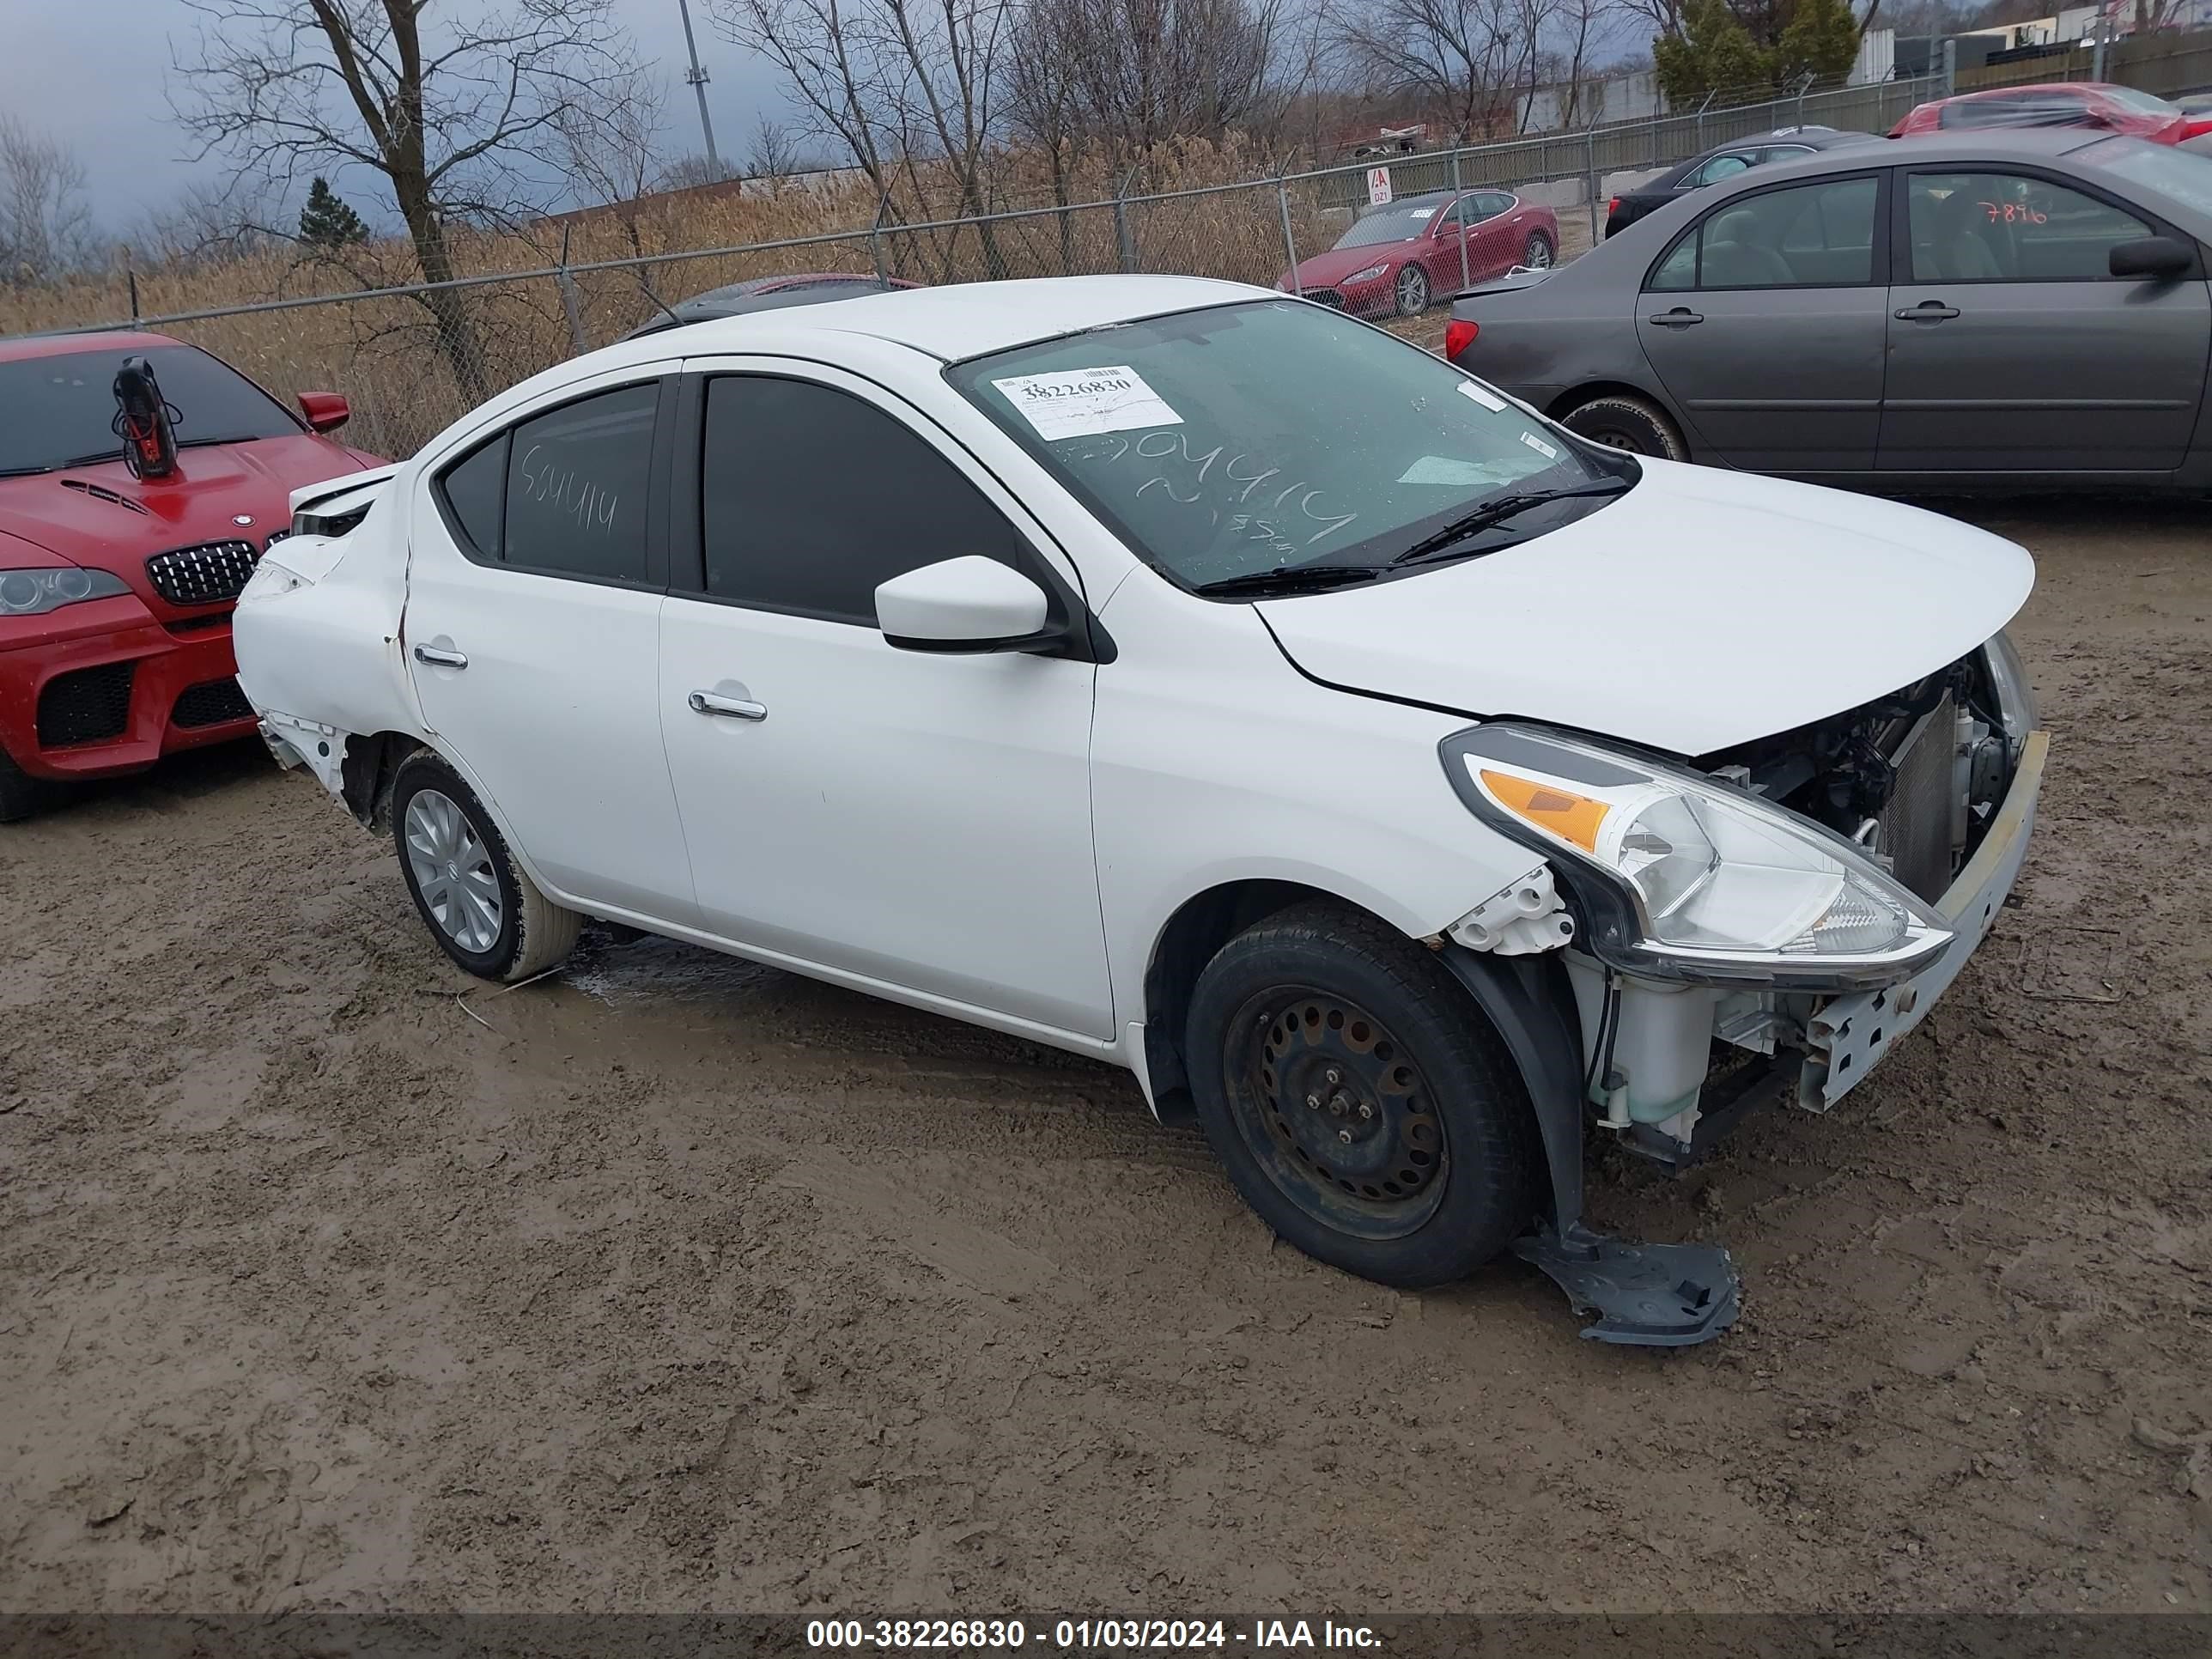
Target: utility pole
(697, 82)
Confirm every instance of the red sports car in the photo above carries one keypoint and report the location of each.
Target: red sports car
(2059, 104)
(116, 590)
(1397, 258)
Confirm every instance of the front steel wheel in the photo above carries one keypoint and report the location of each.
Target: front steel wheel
(1338, 1113)
(1359, 1099)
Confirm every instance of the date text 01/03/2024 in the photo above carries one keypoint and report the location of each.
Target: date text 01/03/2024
(1086, 1635)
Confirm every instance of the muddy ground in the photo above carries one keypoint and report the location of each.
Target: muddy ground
(680, 1283)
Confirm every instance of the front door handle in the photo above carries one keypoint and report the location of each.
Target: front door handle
(735, 709)
(439, 657)
(1680, 317)
(1928, 311)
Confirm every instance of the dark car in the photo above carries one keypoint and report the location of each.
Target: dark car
(767, 294)
(1723, 162)
(2013, 309)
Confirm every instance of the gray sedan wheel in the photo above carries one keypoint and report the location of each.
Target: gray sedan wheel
(1537, 256)
(1413, 291)
(1627, 423)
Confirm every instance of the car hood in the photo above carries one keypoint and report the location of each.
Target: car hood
(1699, 610)
(1339, 263)
(102, 518)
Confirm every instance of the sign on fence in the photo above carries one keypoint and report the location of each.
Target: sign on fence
(1378, 186)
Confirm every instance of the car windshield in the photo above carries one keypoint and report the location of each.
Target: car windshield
(2184, 174)
(60, 410)
(1391, 224)
(1201, 438)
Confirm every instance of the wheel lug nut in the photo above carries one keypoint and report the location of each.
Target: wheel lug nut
(1334, 1075)
(1366, 1110)
(1345, 1135)
(1314, 1101)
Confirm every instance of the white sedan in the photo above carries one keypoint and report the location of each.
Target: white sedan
(1191, 677)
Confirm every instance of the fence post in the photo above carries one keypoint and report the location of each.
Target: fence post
(1655, 133)
(1589, 177)
(1803, 82)
(2100, 29)
(1950, 67)
(1700, 148)
(1125, 245)
(571, 301)
(130, 275)
(876, 237)
(1466, 281)
(1290, 242)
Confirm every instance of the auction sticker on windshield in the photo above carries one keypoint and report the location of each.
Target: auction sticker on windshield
(1077, 403)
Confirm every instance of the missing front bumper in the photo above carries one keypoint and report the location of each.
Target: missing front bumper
(1850, 1034)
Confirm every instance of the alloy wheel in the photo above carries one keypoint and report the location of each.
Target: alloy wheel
(453, 871)
(1412, 290)
(1537, 256)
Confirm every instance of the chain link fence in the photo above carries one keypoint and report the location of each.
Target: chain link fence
(411, 359)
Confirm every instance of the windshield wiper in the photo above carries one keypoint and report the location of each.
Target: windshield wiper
(56, 467)
(1289, 578)
(1496, 510)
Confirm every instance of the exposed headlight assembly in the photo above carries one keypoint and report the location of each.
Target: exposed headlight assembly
(1366, 275)
(34, 592)
(1682, 877)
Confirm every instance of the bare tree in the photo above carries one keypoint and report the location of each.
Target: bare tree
(1458, 58)
(903, 87)
(199, 225)
(1132, 74)
(45, 228)
(771, 153)
(610, 155)
(689, 172)
(462, 117)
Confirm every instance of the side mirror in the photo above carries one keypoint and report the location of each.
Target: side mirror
(966, 604)
(2162, 256)
(327, 411)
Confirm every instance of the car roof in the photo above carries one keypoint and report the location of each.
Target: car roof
(958, 320)
(63, 345)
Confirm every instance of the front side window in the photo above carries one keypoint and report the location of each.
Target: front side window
(1199, 438)
(2001, 227)
(1808, 236)
(563, 494)
(810, 497)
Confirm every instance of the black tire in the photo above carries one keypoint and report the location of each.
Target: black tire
(1412, 291)
(1422, 1164)
(1629, 422)
(531, 933)
(21, 794)
(1539, 253)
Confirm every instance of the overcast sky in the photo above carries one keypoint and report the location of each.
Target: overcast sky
(96, 73)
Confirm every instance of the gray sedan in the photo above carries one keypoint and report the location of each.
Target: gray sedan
(1994, 309)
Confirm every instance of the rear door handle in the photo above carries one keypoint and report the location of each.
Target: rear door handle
(439, 657)
(1680, 317)
(735, 709)
(1928, 311)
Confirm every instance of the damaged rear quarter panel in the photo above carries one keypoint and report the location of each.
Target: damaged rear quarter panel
(318, 636)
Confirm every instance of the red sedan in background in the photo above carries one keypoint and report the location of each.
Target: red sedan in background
(1397, 258)
(116, 590)
(2060, 104)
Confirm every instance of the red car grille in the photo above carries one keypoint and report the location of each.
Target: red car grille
(1326, 296)
(208, 575)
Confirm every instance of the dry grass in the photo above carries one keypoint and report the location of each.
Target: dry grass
(383, 353)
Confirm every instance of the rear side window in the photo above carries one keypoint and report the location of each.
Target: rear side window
(1808, 236)
(476, 492)
(565, 493)
(811, 497)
